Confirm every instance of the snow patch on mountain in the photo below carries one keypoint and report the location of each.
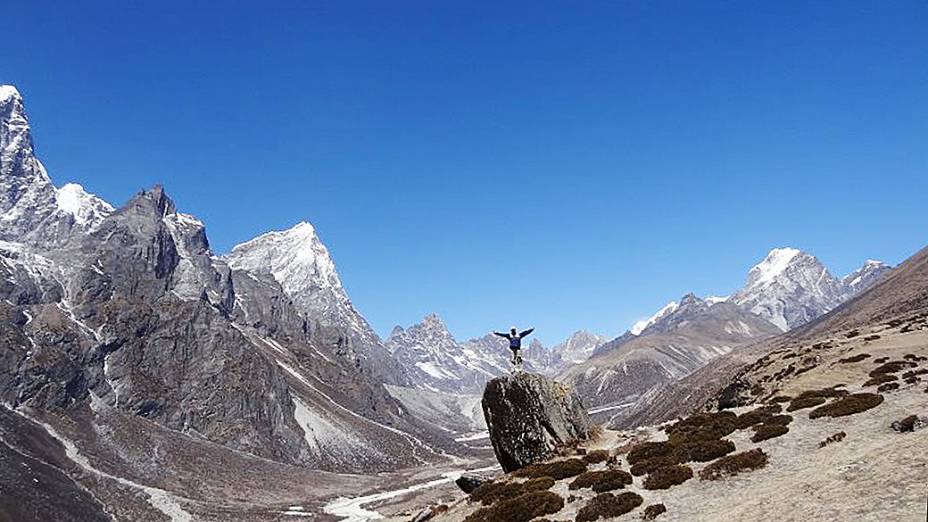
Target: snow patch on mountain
(641, 325)
(88, 210)
(776, 262)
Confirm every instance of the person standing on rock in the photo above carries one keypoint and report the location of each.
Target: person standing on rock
(515, 343)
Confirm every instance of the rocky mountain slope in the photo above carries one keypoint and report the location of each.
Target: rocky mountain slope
(119, 327)
(682, 340)
(787, 289)
(32, 210)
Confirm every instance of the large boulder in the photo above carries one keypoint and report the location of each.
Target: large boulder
(529, 416)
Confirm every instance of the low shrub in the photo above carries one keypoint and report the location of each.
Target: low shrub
(558, 469)
(649, 450)
(800, 403)
(890, 386)
(734, 464)
(757, 416)
(782, 420)
(914, 373)
(653, 511)
(703, 450)
(849, 405)
(596, 456)
(523, 508)
(873, 337)
(601, 481)
(768, 431)
(824, 392)
(880, 379)
(491, 492)
(608, 505)
(664, 478)
(906, 425)
(852, 334)
(837, 437)
(854, 359)
(647, 466)
(881, 360)
(702, 426)
(781, 398)
(892, 367)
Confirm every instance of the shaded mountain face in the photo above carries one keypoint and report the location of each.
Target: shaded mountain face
(681, 341)
(128, 315)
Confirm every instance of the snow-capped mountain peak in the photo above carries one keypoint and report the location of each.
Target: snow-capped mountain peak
(776, 262)
(578, 347)
(296, 257)
(862, 278)
(30, 209)
(87, 209)
(641, 325)
(9, 91)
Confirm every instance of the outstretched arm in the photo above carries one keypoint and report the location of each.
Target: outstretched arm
(526, 332)
(506, 335)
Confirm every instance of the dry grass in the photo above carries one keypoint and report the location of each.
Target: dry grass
(668, 476)
(849, 405)
(608, 505)
(602, 481)
(492, 492)
(734, 464)
(558, 469)
(520, 509)
(768, 431)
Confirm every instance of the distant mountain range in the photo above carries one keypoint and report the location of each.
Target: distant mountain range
(788, 289)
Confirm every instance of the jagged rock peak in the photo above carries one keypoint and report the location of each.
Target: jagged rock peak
(156, 199)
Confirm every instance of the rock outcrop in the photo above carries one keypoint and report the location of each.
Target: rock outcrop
(529, 416)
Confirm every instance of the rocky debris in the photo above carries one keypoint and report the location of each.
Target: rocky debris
(529, 416)
(468, 483)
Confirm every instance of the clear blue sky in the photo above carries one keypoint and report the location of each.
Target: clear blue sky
(562, 165)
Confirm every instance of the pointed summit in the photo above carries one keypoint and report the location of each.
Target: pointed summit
(790, 288)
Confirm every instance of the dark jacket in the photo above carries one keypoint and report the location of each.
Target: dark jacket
(515, 341)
